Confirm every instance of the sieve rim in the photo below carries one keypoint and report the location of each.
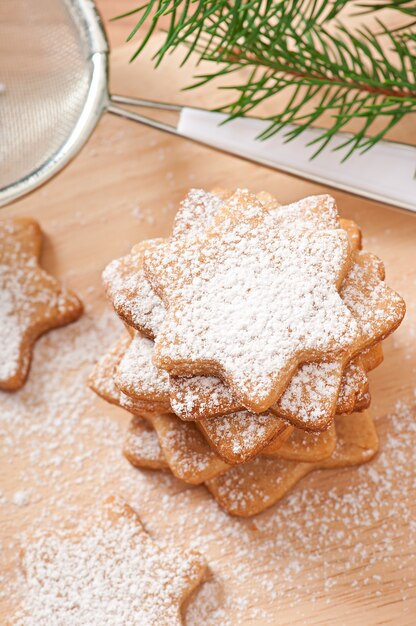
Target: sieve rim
(85, 14)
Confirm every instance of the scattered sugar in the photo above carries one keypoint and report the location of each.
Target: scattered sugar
(143, 215)
(21, 498)
(65, 444)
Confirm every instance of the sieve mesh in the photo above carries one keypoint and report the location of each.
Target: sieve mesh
(44, 80)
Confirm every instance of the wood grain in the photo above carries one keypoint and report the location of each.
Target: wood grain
(89, 216)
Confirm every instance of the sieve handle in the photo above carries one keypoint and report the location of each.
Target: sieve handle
(386, 173)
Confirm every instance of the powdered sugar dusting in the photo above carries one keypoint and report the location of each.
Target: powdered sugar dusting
(137, 376)
(197, 397)
(196, 212)
(354, 384)
(224, 289)
(379, 309)
(312, 393)
(130, 293)
(142, 447)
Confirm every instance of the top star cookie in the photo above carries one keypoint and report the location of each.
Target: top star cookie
(252, 297)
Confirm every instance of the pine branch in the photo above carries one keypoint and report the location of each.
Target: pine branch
(301, 47)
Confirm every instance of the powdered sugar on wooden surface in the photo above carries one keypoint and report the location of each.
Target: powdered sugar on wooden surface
(63, 446)
(111, 572)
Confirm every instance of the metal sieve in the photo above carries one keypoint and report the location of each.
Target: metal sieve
(54, 89)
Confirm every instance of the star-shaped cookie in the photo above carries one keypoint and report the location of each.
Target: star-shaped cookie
(31, 301)
(316, 391)
(108, 572)
(251, 299)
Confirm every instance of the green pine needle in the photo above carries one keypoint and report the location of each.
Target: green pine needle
(302, 47)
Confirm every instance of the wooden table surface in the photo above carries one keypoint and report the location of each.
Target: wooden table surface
(341, 549)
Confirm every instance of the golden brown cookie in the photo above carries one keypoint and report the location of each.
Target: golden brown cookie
(248, 489)
(372, 357)
(184, 448)
(142, 447)
(354, 384)
(31, 301)
(102, 380)
(209, 288)
(129, 292)
(354, 233)
(137, 377)
(305, 447)
(109, 571)
(241, 436)
(196, 212)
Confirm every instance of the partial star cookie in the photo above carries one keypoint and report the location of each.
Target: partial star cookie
(108, 572)
(137, 377)
(31, 301)
(305, 447)
(130, 293)
(241, 436)
(101, 380)
(252, 299)
(249, 489)
(124, 281)
(141, 445)
(187, 453)
(379, 308)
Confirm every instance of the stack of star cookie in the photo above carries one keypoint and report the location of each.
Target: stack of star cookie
(251, 331)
